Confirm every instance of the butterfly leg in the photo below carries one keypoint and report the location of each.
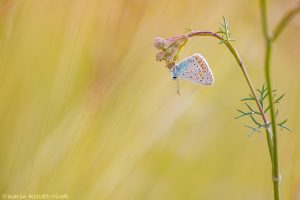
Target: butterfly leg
(178, 87)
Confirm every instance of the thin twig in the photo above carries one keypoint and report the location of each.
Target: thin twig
(249, 82)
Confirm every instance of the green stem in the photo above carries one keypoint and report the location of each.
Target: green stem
(284, 22)
(247, 77)
(269, 40)
(263, 11)
(275, 165)
(268, 53)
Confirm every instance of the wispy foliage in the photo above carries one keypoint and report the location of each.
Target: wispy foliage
(250, 112)
(224, 31)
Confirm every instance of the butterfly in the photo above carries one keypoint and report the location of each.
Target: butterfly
(194, 69)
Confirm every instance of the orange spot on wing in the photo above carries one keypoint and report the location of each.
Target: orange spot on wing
(203, 68)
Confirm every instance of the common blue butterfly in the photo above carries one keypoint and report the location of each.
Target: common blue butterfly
(194, 69)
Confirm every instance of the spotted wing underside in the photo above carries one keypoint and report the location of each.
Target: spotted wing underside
(197, 71)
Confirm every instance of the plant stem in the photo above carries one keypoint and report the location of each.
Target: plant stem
(275, 165)
(249, 82)
(268, 52)
(284, 21)
(269, 40)
(271, 132)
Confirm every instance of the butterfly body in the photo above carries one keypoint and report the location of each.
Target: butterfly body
(194, 69)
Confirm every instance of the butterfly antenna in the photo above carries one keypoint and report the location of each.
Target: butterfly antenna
(178, 92)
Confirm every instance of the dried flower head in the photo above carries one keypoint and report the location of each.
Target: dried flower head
(170, 48)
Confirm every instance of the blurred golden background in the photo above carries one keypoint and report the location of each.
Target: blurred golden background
(86, 110)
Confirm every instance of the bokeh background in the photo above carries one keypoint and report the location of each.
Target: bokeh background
(86, 111)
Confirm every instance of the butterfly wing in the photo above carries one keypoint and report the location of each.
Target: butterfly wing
(196, 70)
